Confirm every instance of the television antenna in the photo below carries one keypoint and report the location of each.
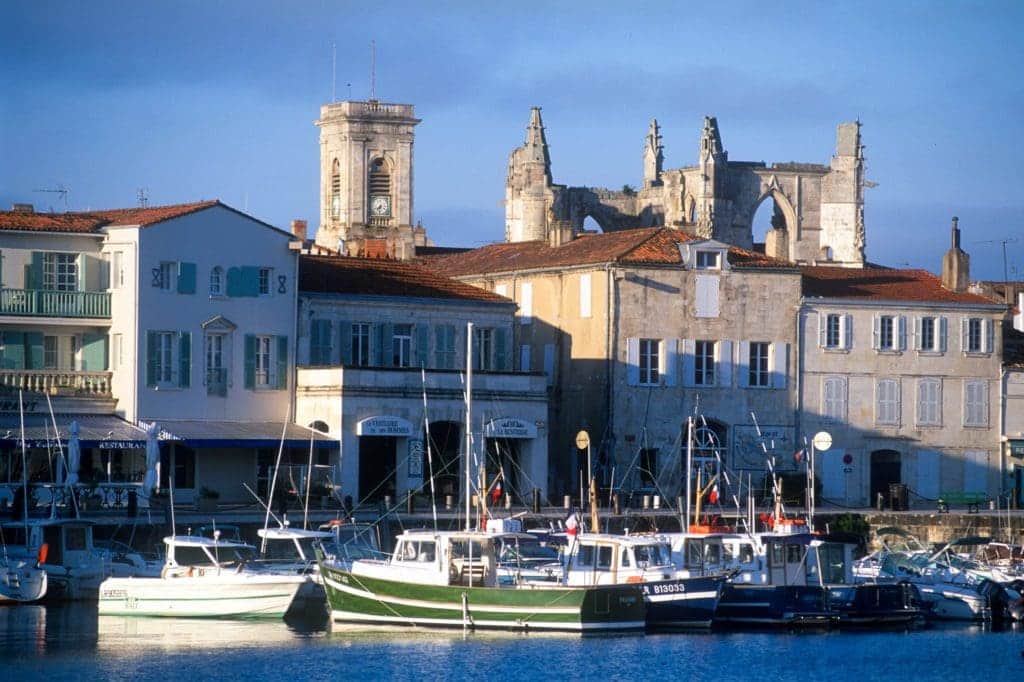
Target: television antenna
(143, 195)
(61, 191)
(373, 70)
(1004, 242)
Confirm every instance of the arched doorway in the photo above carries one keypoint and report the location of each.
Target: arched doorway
(885, 470)
(773, 224)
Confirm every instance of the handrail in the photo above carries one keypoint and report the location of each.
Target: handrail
(48, 303)
(56, 381)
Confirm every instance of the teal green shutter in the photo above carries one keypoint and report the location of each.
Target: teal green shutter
(151, 357)
(234, 282)
(94, 352)
(184, 359)
(501, 349)
(282, 362)
(186, 278)
(250, 361)
(422, 345)
(14, 350)
(33, 350)
(345, 341)
(34, 271)
(440, 335)
(250, 281)
(387, 351)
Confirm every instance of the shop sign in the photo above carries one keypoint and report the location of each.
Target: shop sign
(510, 427)
(384, 426)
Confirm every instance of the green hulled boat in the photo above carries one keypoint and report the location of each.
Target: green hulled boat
(450, 579)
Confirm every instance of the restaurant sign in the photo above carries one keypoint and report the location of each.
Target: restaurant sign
(384, 426)
(509, 427)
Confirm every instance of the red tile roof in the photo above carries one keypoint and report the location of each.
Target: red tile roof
(881, 284)
(90, 221)
(645, 246)
(381, 277)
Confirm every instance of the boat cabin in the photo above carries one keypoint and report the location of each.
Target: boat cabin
(192, 554)
(600, 559)
(437, 558)
(68, 542)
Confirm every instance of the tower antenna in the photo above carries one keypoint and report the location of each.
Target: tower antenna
(334, 72)
(1004, 242)
(60, 190)
(143, 194)
(373, 70)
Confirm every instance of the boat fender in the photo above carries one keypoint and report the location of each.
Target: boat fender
(200, 572)
(634, 579)
(44, 551)
(190, 571)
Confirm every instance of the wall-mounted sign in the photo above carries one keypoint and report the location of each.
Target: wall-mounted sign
(1017, 448)
(384, 426)
(415, 458)
(751, 446)
(510, 427)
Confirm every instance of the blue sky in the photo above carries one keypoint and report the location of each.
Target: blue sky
(198, 100)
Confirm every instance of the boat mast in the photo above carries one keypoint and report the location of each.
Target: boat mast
(426, 438)
(689, 466)
(24, 467)
(469, 420)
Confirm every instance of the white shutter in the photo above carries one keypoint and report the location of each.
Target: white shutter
(901, 328)
(743, 365)
(917, 333)
(876, 332)
(847, 323)
(526, 303)
(778, 363)
(707, 295)
(632, 361)
(965, 332)
(524, 358)
(670, 349)
(585, 295)
(723, 375)
(943, 332)
(689, 364)
(822, 330)
(988, 343)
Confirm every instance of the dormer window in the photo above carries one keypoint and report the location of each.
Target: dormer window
(709, 260)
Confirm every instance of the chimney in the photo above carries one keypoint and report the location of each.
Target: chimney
(299, 229)
(23, 208)
(956, 265)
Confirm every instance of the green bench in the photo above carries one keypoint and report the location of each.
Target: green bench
(971, 500)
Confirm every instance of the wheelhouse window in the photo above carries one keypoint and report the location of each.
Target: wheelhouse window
(758, 367)
(649, 361)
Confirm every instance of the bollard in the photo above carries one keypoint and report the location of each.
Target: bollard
(991, 505)
(387, 502)
(679, 505)
(448, 501)
(657, 501)
(647, 501)
(880, 502)
(410, 504)
(536, 500)
(615, 504)
(567, 501)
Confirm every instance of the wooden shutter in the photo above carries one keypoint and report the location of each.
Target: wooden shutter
(632, 361)
(33, 350)
(743, 365)
(282, 363)
(152, 349)
(250, 361)
(822, 330)
(184, 359)
(14, 350)
(918, 331)
(422, 345)
(345, 342)
(943, 332)
(901, 331)
(876, 332)
(723, 373)
(186, 278)
(234, 282)
(670, 349)
(34, 271)
(778, 364)
(501, 348)
(847, 329)
(689, 363)
(989, 341)
(94, 352)
(524, 358)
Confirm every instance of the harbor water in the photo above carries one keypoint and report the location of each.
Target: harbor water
(70, 642)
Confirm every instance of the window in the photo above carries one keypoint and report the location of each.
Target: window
(264, 281)
(708, 260)
(927, 338)
(833, 399)
(977, 335)
(360, 344)
(483, 352)
(758, 367)
(833, 331)
(929, 402)
(886, 333)
(704, 363)
(526, 303)
(60, 271)
(49, 352)
(165, 275)
(336, 190)
(444, 346)
(168, 359)
(649, 362)
(320, 342)
(263, 366)
(887, 408)
(604, 557)
(585, 295)
(976, 403)
(216, 367)
(117, 270)
(524, 358)
(648, 466)
(401, 346)
(164, 360)
(217, 281)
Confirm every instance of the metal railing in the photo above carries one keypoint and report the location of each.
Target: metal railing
(56, 382)
(46, 303)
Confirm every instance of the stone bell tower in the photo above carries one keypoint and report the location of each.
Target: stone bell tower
(366, 179)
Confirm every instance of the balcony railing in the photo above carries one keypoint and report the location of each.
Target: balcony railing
(46, 303)
(56, 382)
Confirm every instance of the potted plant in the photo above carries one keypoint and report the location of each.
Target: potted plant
(206, 500)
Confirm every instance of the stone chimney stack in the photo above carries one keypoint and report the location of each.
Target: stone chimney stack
(299, 229)
(956, 265)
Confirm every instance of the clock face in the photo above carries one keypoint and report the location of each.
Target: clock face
(380, 205)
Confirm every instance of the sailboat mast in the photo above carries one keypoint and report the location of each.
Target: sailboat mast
(469, 419)
(689, 467)
(24, 467)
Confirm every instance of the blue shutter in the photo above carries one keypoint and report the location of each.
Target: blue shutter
(386, 352)
(282, 362)
(250, 281)
(234, 286)
(186, 278)
(34, 271)
(501, 349)
(422, 345)
(250, 361)
(152, 348)
(14, 350)
(94, 352)
(33, 350)
(184, 359)
(689, 363)
(345, 341)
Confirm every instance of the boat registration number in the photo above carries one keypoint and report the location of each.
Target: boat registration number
(668, 588)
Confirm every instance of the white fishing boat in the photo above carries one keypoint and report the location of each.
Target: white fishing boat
(64, 549)
(203, 578)
(21, 581)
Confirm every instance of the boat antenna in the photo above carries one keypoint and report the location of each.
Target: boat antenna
(309, 478)
(24, 465)
(273, 481)
(426, 438)
(469, 423)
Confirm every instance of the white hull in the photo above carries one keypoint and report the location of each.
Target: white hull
(954, 602)
(216, 595)
(21, 582)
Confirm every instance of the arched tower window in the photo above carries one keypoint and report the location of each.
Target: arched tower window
(336, 190)
(379, 183)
